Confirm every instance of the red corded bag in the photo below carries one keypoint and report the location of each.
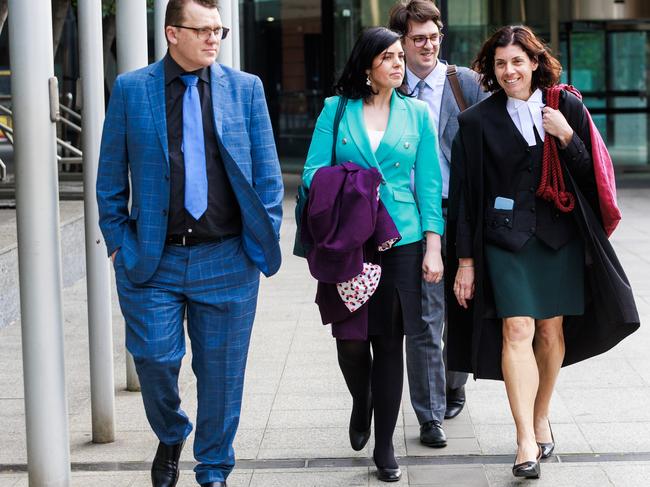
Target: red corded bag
(552, 184)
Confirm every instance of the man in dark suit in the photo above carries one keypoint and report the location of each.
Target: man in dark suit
(435, 395)
(206, 195)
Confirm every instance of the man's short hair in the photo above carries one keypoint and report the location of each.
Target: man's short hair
(418, 11)
(174, 12)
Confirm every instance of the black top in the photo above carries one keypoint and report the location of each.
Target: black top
(222, 216)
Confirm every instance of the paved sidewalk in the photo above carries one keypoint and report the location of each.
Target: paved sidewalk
(293, 429)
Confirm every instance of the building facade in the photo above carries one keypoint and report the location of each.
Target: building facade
(298, 47)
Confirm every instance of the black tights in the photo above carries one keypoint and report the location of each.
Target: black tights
(382, 374)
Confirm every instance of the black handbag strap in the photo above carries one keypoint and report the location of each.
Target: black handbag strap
(343, 101)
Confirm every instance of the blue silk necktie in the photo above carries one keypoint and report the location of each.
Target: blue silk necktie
(196, 178)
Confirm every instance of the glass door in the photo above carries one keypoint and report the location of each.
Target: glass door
(283, 45)
(608, 63)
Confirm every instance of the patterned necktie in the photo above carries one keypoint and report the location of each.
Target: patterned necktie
(196, 178)
(420, 86)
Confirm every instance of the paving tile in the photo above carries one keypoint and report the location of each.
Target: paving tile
(339, 400)
(323, 418)
(10, 480)
(553, 475)
(262, 385)
(188, 479)
(261, 403)
(127, 447)
(628, 474)
(247, 443)
(617, 437)
(455, 446)
(642, 367)
(448, 476)
(502, 439)
(13, 447)
(330, 384)
(319, 443)
(598, 404)
(308, 443)
(600, 373)
(129, 414)
(353, 477)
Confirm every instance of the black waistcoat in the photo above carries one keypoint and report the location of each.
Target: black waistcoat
(514, 171)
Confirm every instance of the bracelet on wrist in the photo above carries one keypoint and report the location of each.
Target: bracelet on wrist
(461, 266)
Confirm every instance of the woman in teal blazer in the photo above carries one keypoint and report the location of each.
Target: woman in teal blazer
(385, 129)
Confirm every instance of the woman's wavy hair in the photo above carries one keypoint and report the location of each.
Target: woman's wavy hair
(548, 70)
(370, 43)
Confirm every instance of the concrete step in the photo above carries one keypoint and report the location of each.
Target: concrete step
(72, 255)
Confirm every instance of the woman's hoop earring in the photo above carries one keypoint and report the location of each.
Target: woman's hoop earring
(368, 82)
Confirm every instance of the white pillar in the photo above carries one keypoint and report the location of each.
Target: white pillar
(159, 28)
(225, 52)
(131, 36)
(39, 247)
(236, 54)
(100, 321)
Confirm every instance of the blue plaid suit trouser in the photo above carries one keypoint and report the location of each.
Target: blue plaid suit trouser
(217, 285)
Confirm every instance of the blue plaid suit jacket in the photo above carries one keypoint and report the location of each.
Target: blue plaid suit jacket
(134, 141)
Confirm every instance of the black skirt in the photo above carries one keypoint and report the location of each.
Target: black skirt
(537, 281)
(396, 305)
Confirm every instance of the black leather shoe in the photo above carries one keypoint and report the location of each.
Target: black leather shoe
(547, 448)
(389, 474)
(164, 470)
(215, 484)
(359, 439)
(455, 402)
(528, 470)
(432, 434)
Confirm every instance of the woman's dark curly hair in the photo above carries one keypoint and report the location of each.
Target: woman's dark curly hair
(370, 43)
(548, 70)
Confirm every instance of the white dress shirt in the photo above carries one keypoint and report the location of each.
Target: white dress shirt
(526, 115)
(432, 96)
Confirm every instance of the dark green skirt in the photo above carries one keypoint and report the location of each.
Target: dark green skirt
(537, 281)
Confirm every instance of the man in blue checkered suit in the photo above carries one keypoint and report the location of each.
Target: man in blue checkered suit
(173, 260)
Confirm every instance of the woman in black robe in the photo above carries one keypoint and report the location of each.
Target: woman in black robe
(537, 284)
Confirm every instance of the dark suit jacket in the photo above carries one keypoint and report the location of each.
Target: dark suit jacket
(475, 337)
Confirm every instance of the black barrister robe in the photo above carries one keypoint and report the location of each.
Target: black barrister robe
(475, 334)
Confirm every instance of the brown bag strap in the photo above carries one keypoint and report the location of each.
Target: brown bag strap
(452, 76)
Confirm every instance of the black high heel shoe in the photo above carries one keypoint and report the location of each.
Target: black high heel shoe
(528, 470)
(547, 448)
(359, 439)
(387, 474)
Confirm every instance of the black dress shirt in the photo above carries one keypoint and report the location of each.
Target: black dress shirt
(223, 216)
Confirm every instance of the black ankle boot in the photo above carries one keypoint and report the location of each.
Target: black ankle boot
(164, 470)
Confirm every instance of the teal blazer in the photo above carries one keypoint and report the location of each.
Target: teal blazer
(410, 140)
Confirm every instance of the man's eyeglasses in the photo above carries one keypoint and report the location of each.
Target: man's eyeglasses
(204, 33)
(421, 40)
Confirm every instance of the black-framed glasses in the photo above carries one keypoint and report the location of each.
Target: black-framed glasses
(421, 40)
(204, 33)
